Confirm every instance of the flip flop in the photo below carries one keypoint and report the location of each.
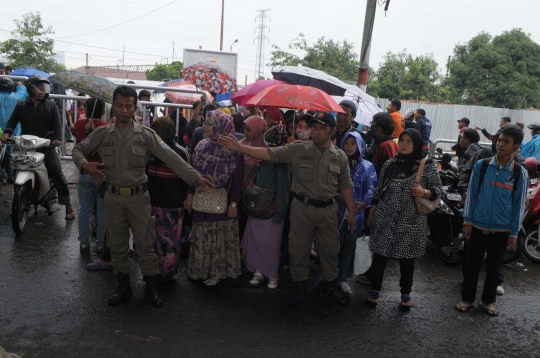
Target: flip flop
(70, 216)
(489, 309)
(463, 307)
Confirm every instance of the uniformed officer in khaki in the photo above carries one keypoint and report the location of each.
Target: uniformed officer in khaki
(124, 148)
(320, 171)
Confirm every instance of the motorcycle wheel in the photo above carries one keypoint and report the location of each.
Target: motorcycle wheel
(511, 256)
(450, 250)
(20, 208)
(531, 247)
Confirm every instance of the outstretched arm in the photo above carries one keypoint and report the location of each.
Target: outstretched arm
(232, 143)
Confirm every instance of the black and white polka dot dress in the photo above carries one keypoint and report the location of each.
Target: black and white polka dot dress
(398, 230)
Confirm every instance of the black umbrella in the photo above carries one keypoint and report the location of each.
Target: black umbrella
(305, 76)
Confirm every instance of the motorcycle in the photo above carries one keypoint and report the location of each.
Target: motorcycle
(531, 223)
(446, 222)
(32, 184)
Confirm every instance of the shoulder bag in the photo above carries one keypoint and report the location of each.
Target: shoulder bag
(258, 202)
(425, 205)
(210, 201)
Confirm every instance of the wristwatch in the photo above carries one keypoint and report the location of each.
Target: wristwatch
(233, 204)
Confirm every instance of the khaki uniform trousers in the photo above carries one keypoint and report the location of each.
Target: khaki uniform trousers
(123, 213)
(308, 222)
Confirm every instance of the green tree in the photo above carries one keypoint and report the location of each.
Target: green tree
(503, 71)
(30, 45)
(165, 72)
(335, 58)
(406, 77)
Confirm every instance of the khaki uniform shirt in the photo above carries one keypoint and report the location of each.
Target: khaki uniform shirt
(315, 175)
(125, 158)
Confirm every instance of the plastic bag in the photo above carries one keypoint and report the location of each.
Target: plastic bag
(362, 255)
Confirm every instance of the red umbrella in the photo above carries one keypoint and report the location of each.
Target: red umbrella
(296, 97)
(210, 77)
(252, 89)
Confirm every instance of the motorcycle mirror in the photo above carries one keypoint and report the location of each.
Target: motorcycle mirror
(439, 150)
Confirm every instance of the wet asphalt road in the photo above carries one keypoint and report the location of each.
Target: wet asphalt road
(50, 306)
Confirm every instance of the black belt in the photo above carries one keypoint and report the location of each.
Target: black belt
(314, 202)
(128, 191)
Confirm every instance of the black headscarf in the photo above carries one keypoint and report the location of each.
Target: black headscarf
(403, 166)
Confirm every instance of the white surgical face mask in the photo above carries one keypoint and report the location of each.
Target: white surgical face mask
(302, 134)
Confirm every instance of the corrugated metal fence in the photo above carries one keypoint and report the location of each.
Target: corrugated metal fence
(444, 118)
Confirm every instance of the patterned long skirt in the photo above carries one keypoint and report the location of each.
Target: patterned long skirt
(215, 250)
(168, 237)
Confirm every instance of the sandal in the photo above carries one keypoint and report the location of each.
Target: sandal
(463, 306)
(373, 298)
(257, 279)
(489, 309)
(70, 216)
(406, 303)
(211, 282)
(272, 285)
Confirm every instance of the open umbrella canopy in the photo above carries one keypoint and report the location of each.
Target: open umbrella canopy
(185, 98)
(28, 71)
(295, 97)
(93, 86)
(168, 84)
(366, 105)
(252, 89)
(300, 75)
(210, 77)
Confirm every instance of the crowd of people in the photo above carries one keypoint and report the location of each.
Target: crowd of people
(255, 189)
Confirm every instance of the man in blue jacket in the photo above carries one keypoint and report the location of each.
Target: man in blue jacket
(423, 125)
(493, 213)
(532, 147)
(8, 101)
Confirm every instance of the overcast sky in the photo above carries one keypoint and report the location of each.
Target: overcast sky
(420, 26)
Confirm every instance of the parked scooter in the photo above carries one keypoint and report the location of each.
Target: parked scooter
(531, 223)
(32, 184)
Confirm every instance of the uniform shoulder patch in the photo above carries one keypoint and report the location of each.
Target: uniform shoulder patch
(86, 141)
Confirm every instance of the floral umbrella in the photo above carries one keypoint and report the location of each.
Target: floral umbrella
(295, 97)
(210, 77)
(185, 98)
(93, 86)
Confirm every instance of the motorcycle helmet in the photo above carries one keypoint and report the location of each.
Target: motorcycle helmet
(535, 128)
(37, 84)
(6, 84)
(531, 164)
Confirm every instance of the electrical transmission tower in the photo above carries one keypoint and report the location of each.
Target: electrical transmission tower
(261, 38)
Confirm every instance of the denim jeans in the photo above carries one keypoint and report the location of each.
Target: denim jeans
(87, 189)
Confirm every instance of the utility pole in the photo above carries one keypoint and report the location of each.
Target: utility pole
(261, 38)
(172, 52)
(123, 54)
(87, 67)
(222, 23)
(369, 21)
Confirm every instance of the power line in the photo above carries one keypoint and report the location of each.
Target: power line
(259, 61)
(125, 22)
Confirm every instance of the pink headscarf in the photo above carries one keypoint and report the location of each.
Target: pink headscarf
(257, 126)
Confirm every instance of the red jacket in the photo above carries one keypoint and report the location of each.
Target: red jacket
(80, 134)
(386, 150)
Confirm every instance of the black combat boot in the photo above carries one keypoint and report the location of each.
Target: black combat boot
(330, 291)
(300, 302)
(151, 287)
(123, 293)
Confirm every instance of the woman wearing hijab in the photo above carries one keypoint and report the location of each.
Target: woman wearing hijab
(273, 116)
(261, 243)
(397, 228)
(364, 180)
(253, 130)
(167, 194)
(215, 251)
